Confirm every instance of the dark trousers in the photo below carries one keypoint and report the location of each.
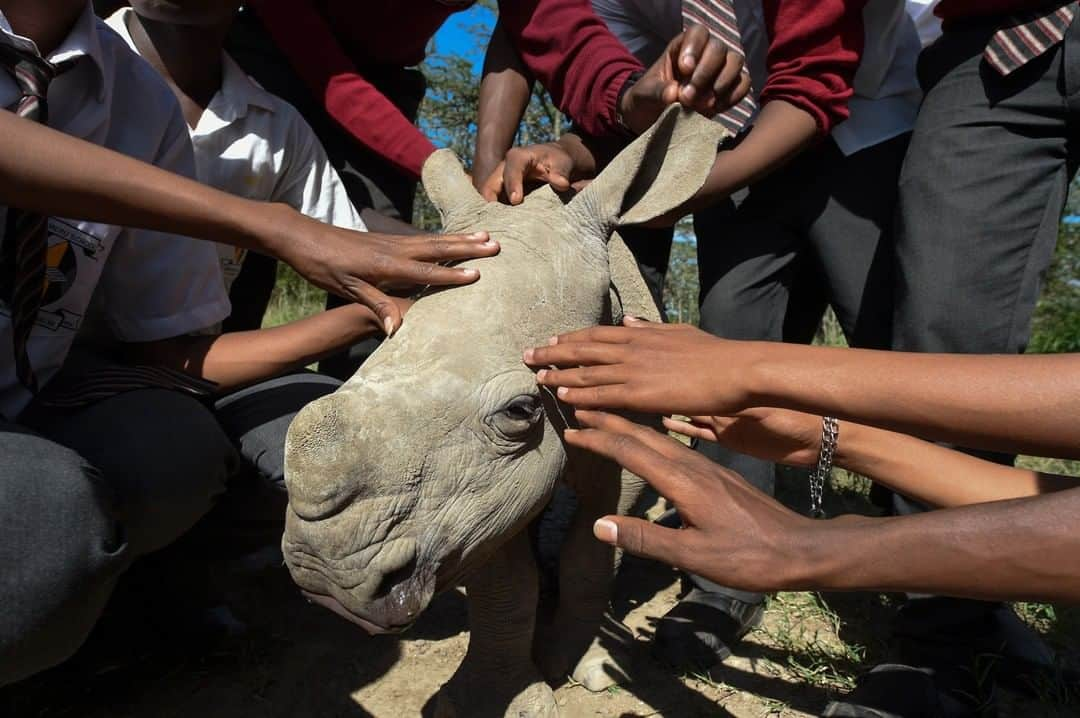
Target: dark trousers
(980, 200)
(817, 231)
(85, 493)
(981, 194)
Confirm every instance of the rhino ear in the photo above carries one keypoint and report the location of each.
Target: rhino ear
(629, 292)
(448, 187)
(656, 173)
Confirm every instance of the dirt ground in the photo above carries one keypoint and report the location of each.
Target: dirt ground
(296, 660)
(299, 660)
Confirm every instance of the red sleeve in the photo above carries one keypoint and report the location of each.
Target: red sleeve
(814, 53)
(573, 54)
(302, 34)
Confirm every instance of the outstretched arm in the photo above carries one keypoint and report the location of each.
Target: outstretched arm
(1028, 404)
(738, 536)
(918, 469)
(240, 358)
(47, 171)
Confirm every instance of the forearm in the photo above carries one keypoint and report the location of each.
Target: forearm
(504, 94)
(47, 171)
(1026, 404)
(1006, 550)
(241, 358)
(933, 474)
(780, 132)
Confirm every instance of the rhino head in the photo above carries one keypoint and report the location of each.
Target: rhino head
(442, 446)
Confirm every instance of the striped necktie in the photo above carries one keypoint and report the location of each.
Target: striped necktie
(1026, 36)
(718, 17)
(22, 259)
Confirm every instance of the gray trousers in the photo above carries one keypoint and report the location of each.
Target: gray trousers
(816, 232)
(981, 193)
(85, 493)
(980, 200)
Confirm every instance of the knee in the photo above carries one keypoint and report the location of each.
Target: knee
(62, 547)
(176, 464)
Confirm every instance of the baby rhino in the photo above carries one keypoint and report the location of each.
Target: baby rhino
(425, 468)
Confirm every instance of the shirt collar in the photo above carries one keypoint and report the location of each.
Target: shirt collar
(82, 41)
(239, 91)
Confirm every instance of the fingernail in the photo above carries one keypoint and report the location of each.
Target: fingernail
(562, 391)
(541, 374)
(688, 93)
(606, 531)
(528, 355)
(388, 325)
(553, 341)
(490, 243)
(470, 273)
(478, 235)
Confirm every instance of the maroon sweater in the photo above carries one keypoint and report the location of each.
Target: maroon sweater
(565, 46)
(814, 50)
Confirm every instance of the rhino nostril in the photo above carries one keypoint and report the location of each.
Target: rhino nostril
(395, 578)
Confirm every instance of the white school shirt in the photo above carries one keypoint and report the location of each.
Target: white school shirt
(926, 22)
(253, 144)
(151, 285)
(886, 92)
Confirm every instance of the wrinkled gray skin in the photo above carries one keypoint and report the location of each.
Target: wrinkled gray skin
(425, 468)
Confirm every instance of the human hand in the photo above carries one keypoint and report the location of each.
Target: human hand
(362, 265)
(696, 70)
(780, 435)
(647, 367)
(732, 533)
(565, 164)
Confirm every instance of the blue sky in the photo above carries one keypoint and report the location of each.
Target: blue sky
(454, 38)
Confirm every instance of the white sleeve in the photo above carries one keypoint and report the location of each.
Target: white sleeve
(308, 182)
(157, 285)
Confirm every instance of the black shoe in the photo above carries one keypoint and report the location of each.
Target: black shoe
(985, 640)
(698, 632)
(897, 691)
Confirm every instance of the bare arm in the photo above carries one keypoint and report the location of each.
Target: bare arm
(504, 94)
(239, 358)
(47, 171)
(918, 469)
(780, 132)
(1028, 404)
(738, 536)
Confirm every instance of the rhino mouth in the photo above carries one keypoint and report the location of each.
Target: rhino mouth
(339, 608)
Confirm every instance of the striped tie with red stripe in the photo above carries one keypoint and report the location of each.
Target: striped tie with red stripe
(718, 17)
(22, 261)
(1027, 36)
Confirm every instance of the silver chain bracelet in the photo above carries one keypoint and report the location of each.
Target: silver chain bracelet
(830, 434)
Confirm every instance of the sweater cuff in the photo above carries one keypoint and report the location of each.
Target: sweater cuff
(608, 119)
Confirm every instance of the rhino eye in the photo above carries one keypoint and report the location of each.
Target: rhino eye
(517, 416)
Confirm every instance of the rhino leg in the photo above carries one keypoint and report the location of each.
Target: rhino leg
(497, 678)
(584, 640)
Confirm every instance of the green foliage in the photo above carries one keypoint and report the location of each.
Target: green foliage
(293, 298)
(681, 284)
(1056, 326)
